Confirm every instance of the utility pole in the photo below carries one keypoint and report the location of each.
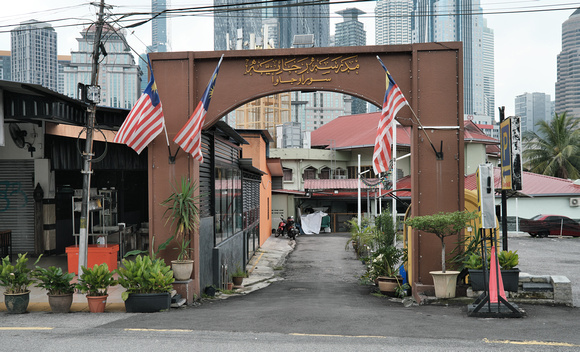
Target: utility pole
(88, 153)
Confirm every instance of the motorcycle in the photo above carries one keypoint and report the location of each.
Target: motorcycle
(287, 227)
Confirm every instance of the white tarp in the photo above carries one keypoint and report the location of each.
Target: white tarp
(311, 223)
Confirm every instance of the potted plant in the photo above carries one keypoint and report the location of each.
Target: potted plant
(58, 286)
(443, 225)
(95, 282)
(16, 279)
(147, 284)
(507, 260)
(238, 277)
(361, 237)
(183, 213)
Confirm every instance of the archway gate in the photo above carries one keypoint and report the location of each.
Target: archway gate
(429, 75)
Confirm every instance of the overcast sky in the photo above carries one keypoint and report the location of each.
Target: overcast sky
(526, 43)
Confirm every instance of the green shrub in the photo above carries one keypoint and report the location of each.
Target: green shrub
(144, 275)
(95, 281)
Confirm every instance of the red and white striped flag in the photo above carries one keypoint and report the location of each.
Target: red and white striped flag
(145, 120)
(189, 138)
(393, 102)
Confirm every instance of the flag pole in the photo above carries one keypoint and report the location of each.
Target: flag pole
(394, 174)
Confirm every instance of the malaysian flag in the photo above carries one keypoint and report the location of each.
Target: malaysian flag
(189, 138)
(145, 120)
(394, 101)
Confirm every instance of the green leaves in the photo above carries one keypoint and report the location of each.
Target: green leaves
(555, 149)
(54, 280)
(15, 278)
(96, 280)
(144, 275)
(183, 212)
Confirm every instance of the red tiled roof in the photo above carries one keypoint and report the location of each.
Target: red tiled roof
(534, 185)
(474, 134)
(331, 184)
(357, 131)
(353, 131)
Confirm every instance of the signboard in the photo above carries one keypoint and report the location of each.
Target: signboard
(506, 158)
(516, 143)
(486, 196)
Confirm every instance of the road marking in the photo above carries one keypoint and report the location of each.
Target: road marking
(540, 343)
(11, 328)
(326, 335)
(256, 263)
(160, 330)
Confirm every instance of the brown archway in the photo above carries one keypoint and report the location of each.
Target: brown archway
(430, 76)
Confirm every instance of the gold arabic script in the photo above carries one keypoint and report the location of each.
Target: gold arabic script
(302, 71)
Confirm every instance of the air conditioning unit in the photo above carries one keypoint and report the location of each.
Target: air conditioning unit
(574, 202)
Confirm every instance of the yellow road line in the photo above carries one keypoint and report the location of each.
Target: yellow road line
(256, 263)
(12, 328)
(160, 330)
(326, 335)
(540, 343)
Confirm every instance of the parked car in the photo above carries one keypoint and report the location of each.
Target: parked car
(550, 225)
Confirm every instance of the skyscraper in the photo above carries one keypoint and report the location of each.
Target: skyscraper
(458, 20)
(567, 84)
(488, 71)
(233, 26)
(158, 27)
(351, 32)
(119, 76)
(393, 22)
(533, 108)
(34, 55)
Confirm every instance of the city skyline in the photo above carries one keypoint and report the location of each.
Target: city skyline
(526, 48)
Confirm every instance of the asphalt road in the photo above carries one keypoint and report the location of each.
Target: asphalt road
(549, 256)
(319, 306)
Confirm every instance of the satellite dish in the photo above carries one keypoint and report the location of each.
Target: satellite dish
(17, 135)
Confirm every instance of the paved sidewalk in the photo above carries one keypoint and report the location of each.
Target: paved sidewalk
(262, 271)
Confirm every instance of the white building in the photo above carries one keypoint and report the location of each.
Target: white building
(393, 22)
(34, 55)
(533, 108)
(119, 75)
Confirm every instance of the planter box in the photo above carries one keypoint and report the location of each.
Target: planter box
(510, 279)
(148, 302)
(96, 254)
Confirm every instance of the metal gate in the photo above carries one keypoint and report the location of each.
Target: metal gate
(17, 202)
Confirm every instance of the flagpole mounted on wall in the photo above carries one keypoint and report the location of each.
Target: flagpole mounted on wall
(189, 137)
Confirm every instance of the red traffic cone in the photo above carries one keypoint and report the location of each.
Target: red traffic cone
(494, 271)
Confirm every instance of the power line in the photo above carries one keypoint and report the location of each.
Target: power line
(216, 11)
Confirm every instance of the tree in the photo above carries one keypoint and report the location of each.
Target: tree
(555, 149)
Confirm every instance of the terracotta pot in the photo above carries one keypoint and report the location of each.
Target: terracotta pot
(60, 303)
(182, 269)
(97, 303)
(230, 286)
(388, 285)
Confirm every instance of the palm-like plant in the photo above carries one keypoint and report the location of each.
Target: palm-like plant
(183, 212)
(555, 149)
